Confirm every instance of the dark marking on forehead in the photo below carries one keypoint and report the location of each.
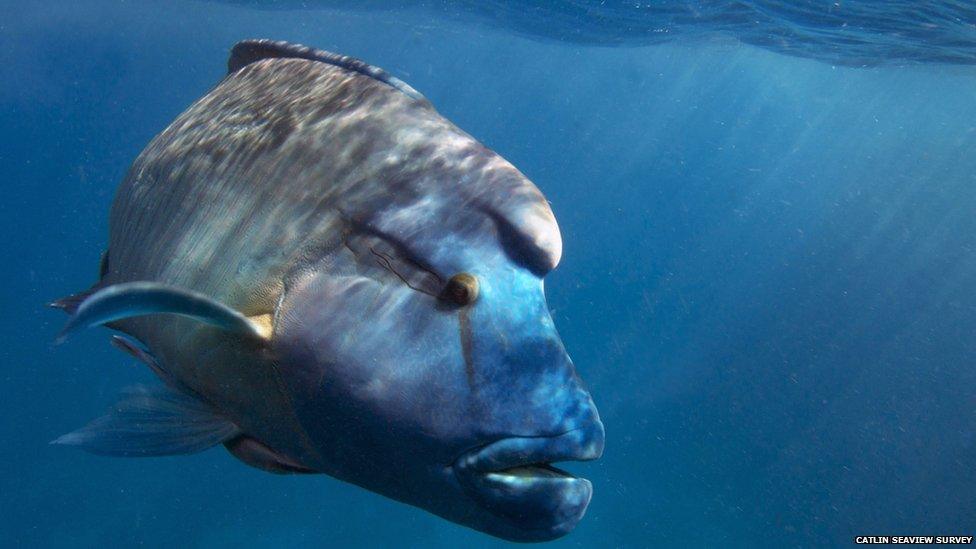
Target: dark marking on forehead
(464, 329)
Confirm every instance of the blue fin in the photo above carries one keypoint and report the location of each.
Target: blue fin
(153, 421)
(71, 303)
(132, 347)
(132, 299)
(135, 348)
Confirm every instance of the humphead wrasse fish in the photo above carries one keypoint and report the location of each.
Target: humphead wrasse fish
(330, 277)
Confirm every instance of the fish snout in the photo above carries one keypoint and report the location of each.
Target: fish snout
(514, 479)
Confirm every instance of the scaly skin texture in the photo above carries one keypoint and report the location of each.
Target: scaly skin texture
(336, 207)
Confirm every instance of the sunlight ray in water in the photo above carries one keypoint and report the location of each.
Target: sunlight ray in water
(762, 272)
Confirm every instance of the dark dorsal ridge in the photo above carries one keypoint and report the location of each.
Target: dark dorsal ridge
(248, 51)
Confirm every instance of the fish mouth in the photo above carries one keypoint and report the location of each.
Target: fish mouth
(515, 480)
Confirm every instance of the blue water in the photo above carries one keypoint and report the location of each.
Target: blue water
(768, 277)
(849, 32)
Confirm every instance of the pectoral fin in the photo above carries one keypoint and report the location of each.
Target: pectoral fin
(153, 421)
(141, 353)
(259, 455)
(70, 304)
(133, 299)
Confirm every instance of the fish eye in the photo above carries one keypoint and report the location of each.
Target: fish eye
(461, 289)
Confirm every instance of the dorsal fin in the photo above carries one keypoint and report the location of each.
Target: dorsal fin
(248, 51)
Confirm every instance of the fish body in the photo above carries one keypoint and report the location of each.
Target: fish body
(348, 284)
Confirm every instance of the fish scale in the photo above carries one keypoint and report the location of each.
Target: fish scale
(330, 277)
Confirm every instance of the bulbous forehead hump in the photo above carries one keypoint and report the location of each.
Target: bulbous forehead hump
(388, 160)
(526, 225)
(469, 183)
(498, 199)
(443, 184)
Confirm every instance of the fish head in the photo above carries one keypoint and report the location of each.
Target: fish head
(423, 362)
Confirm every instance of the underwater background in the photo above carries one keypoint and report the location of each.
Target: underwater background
(768, 283)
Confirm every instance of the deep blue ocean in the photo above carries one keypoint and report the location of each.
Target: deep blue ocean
(768, 280)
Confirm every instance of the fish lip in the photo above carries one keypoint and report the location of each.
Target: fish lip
(532, 507)
(519, 451)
